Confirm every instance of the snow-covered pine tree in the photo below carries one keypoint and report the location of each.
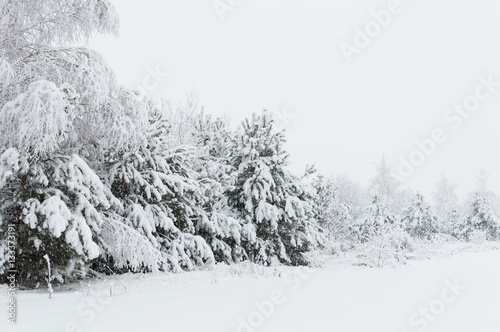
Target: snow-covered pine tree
(451, 223)
(161, 199)
(480, 219)
(377, 222)
(56, 204)
(446, 205)
(220, 226)
(482, 188)
(480, 213)
(278, 225)
(51, 196)
(324, 202)
(418, 219)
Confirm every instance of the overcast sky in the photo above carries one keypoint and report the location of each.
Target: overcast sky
(351, 96)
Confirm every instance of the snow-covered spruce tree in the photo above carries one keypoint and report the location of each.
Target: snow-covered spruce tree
(446, 205)
(481, 211)
(377, 221)
(278, 225)
(54, 199)
(161, 199)
(324, 202)
(481, 219)
(418, 219)
(219, 226)
(451, 223)
(57, 206)
(482, 188)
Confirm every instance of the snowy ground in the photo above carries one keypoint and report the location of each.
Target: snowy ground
(458, 293)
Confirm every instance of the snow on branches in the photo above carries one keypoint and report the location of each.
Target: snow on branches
(38, 120)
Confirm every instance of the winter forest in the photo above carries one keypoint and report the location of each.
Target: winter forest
(100, 180)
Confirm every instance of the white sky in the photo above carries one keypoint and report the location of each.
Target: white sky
(285, 55)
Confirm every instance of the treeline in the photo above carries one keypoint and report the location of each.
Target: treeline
(387, 221)
(103, 179)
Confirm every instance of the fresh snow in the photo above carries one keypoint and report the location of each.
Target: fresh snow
(462, 293)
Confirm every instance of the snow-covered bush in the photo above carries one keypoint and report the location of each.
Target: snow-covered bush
(450, 222)
(391, 246)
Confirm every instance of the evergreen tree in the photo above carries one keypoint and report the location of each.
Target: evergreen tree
(161, 199)
(418, 219)
(480, 219)
(482, 188)
(278, 225)
(56, 204)
(324, 202)
(220, 227)
(446, 204)
(377, 222)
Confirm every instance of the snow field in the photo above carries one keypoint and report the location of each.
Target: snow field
(461, 293)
